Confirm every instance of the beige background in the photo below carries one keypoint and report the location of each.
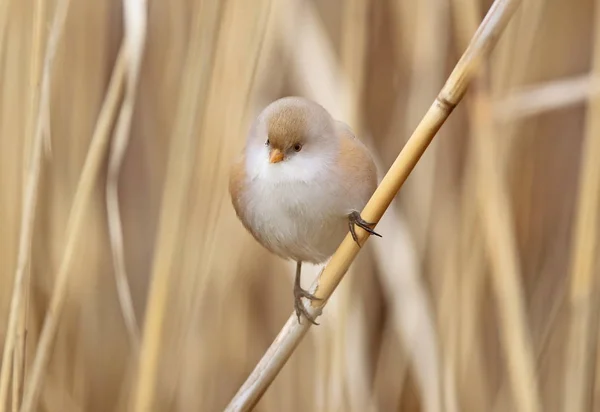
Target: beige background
(424, 320)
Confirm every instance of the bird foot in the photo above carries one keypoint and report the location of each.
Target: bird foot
(300, 293)
(354, 218)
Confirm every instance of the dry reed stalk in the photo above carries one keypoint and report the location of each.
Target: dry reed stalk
(596, 387)
(227, 111)
(459, 283)
(303, 23)
(438, 227)
(91, 170)
(296, 32)
(411, 311)
(135, 14)
(318, 76)
(584, 255)
(471, 370)
(355, 28)
(449, 321)
(502, 250)
(391, 361)
(4, 9)
(511, 68)
(512, 63)
(472, 373)
(450, 366)
(15, 343)
(501, 240)
(191, 109)
(427, 69)
(36, 126)
(178, 365)
(55, 398)
(292, 333)
(410, 292)
(349, 333)
(19, 357)
(536, 99)
(542, 341)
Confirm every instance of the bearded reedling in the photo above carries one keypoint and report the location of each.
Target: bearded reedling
(300, 183)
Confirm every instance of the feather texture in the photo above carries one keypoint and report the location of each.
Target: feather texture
(298, 208)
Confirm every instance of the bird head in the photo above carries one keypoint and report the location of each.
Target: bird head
(292, 138)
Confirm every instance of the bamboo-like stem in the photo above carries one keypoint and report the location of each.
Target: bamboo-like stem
(595, 394)
(535, 99)
(411, 312)
(451, 94)
(36, 125)
(584, 254)
(135, 40)
(89, 175)
(4, 10)
(196, 78)
(20, 356)
(495, 210)
(501, 247)
(354, 46)
(471, 371)
(349, 334)
(427, 61)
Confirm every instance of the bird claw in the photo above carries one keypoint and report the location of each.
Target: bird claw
(300, 293)
(354, 218)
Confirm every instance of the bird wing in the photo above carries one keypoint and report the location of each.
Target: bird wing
(344, 129)
(237, 183)
(356, 165)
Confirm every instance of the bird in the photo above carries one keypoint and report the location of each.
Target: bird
(299, 184)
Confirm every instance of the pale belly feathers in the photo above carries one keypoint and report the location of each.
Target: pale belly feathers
(303, 221)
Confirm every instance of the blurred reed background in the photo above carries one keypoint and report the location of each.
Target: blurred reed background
(481, 295)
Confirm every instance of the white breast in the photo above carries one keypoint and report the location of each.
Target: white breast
(299, 220)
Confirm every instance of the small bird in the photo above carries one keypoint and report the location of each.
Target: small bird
(300, 183)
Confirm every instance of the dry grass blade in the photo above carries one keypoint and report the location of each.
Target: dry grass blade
(472, 373)
(91, 171)
(196, 78)
(502, 249)
(134, 42)
(500, 238)
(19, 359)
(427, 71)
(37, 125)
(584, 255)
(4, 8)
(513, 63)
(411, 310)
(354, 39)
(299, 20)
(553, 95)
(344, 383)
(450, 95)
(391, 362)
(349, 366)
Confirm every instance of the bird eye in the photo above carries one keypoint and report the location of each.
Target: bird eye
(267, 142)
(297, 147)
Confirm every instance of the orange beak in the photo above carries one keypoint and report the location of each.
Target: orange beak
(276, 156)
